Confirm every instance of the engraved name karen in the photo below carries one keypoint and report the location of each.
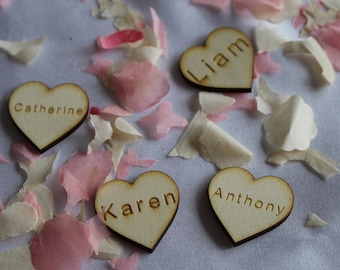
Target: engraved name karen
(220, 60)
(247, 201)
(140, 206)
(39, 108)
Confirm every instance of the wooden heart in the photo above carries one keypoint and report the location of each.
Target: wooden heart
(46, 115)
(225, 63)
(247, 207)
(140, 212)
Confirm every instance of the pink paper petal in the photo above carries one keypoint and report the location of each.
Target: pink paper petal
(264, 64)
(130, 159)
(3, 159)
(219, 4)
(83, 174)
(98, 232)
(99, 67)
(242, 101)
(138, 86)
(328, 37)
(62, 243)
(159, 30)
(4, 3)
(118, 38)
(162, 120)
(25, 152)
(30, 198)
(300, 19)
(114, 110)
(95, 110)
(262, 9)
(128, 263)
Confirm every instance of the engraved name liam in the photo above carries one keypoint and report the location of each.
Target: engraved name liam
(247, 201)
(40, 109)
(219, 60)
(139, 206)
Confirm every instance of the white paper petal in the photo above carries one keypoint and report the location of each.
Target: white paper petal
(291, 126)
(38, 171)
(290, 9)
(103, 131)
(324, 166)
(23, 51)
(17, 219)
(221, 149)
(333, 4)
(18, 259)
(123, 134)
(109, 248)
(314, 220)
(267, 100)
(312, 47)
(188, 145)
(145, 54)
(268, 39)
(212, 103)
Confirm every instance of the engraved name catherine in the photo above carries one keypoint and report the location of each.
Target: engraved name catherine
(140, 206)
(248, 201)
(220, 60)
(39, 108)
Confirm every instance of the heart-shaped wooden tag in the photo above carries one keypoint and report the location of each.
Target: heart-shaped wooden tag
(225, 63)
(140, 212)
(247, 207)
(47, 115)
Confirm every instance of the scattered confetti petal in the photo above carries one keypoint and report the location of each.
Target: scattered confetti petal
(268, 39)
(99, 67)
(130, 159)
(123, 134)
(324, 166)
(261, 9)
(128, 263)
(109, 9)
(110, 248)
(314, 220)
(129, 20)
(328, 38)
(159, 30)
(113, 111)
(103, 132)
(98, 232)
(83, 174)
(120, 38)
(333, 4)
(25, 152)
(312, 47)
(23, 51)
(264, 64)
(3, 159)
(243, 101)
(291, 126)
(139, 86)
(18, 258)
(267, 100)
(17, 219)
(290, 9)
(4, 3)
(161, 121)
(219, 4)
(55, 247)
(213, 103)
(221, 149)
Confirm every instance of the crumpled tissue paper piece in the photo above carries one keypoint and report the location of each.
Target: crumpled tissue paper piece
(130, 159)
(267, 100)
(18, 258)
(291, 125)
(17, 219)
(62, 243)
(83, 174)
(204, 137)
(159, 123)
(268, 39)
(129, 37)
(139, 86)
(23, 51)
(128, 263)
(324, 166)
(312, 47)
(314, 220)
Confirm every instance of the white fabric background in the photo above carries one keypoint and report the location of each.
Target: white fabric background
(195, 240)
